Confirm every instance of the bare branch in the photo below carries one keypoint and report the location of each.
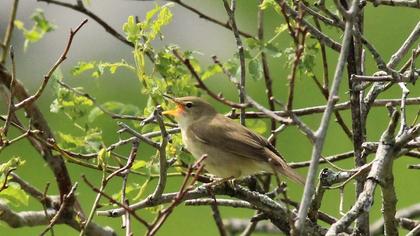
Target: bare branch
(322, 130)
(67, 202)
(9, 31)
(81, 8)
(203, 86)
(398, 3)
(209, 18)
(10, 110)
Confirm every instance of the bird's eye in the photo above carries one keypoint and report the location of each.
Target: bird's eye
(188, 104)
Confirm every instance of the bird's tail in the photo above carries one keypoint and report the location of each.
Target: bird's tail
(281, 166)
(292, 174)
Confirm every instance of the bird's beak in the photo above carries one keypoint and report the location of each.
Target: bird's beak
(179, 106)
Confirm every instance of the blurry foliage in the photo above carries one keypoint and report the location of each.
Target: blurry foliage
(12, 193)
(39, 29)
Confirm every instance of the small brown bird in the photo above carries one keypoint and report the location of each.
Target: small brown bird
(232, 149)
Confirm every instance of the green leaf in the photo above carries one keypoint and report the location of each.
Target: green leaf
(19, 24)
(102, 158)
(272, 50)
(82, 66)
(72, 104)
(114, 107)
(99, 68)
(39, 29)
(131, 29)
(257, 125)
(41, 22)
(164, 18)
(211, 70)
(138, 164)
(141, 190)
(280, 29)
(14, 195)
(267, 3)
(90, 142)
(255, 69)
(128, 189)
(11, 164)
(252, 43)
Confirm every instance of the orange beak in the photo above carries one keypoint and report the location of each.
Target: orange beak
(179, 107)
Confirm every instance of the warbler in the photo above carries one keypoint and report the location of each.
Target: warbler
(233, 150)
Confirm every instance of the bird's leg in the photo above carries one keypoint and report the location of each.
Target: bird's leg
(217, 181)
(232, 183)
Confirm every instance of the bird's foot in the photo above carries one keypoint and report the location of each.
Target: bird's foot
(218, 181)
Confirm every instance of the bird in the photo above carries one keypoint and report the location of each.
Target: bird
(233, 150)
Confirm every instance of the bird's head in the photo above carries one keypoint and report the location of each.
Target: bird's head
(189, 109)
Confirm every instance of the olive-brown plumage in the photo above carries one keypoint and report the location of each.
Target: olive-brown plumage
(232, 149)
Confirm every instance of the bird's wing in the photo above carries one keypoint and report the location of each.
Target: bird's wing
(232, 137)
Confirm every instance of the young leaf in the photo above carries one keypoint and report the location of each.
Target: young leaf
(11, 164)
(102, 158)
(14, 195)
(138, 164)
(255, 69)
(141, 190)
(39, 29)
(90, 142)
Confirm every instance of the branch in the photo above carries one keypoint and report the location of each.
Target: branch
(209, 18)
(275, 210)
(31, 190)
(409, 212)
(81, 8)
(333, 158)
(404, 49)
(9, 31)
(398, 3)
(235, 226)
(203, 86)
(311, 29)
(47, 77)
(66, 203)
(25, 218)
(163, 164)
(322, 130)
(10, 109)
(266, 72)
(320, 109)
(379, 173)
(231, 13)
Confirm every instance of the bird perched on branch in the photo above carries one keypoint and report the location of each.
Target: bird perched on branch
(233, 151)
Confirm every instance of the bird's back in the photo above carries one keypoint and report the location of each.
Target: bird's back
(233, 148)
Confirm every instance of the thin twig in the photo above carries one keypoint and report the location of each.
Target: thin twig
(266, 72)
(163, 164)
(242, 93)
(203, 86)
(10, 110)
(123, 206)
(9, 31)
(209, 18)
(47, 77)
(63, 206)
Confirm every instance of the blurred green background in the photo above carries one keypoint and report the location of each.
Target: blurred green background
(385, 27)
